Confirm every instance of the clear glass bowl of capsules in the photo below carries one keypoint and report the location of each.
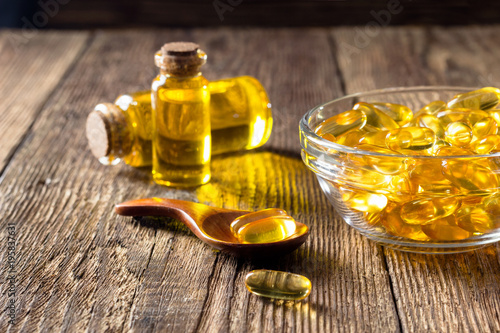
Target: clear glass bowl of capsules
(372, 190)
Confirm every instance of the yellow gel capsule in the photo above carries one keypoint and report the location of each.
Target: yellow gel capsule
(471, 176)
(483, 99)
(268, 230)
(445, 230)
(474, 219)
(495, 114)
(394, 225)
(466, 116)
(376, 138)
(388, 165)
(458, 134)
(255, 216)
(375, 117)
(399, 189)
(279, 285)
(439, 143)
(362, 178)
(424, 211)
(350, 138)
(484, 127)
(329, 137)
(487, 144)
(364, 201)
(342, 123)
(411, 138)
(399, 113)
(491, 205)
(431, 108)
(432, 122)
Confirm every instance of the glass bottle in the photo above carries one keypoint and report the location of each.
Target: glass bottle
(240, 115)
(180, 102)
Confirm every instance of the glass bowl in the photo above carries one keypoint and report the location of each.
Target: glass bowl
(452, 202)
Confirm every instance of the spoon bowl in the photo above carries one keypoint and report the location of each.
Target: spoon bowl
(212, 225)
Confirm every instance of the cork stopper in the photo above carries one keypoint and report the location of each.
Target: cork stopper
(107, 132)
(180, 58)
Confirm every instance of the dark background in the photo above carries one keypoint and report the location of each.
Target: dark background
(74, 14)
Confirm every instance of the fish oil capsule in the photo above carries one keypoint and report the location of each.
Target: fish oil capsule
(445, 229)
(342, 123)
(484, 127)
(181, 117)
(376, 138)
(399, 189)
(487, 144)
(431, 108)
(495, 114)
(365, 179)
(474, 219)
(424, 211)
(491, 205)
(266, 226)
(466, 116)
(279, 285)
(388, 165)
(364, 201)
(432, 122)
(394, 225)
(400, 113)
(471, 175)
(427, 179)
(458, 134)
(410, 138)
(329, 137)
(375, 117)
(483, 99)
(350, 138)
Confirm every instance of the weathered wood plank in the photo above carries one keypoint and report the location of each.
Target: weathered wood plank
(32, 64)
(433, 293)
(82, 267)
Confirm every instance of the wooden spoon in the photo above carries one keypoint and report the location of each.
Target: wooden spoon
(212, 225)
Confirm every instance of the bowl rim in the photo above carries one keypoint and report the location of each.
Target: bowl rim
(312, 136)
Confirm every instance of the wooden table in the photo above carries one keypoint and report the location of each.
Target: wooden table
(80, 267)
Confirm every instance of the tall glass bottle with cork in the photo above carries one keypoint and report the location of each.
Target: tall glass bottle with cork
(180, 102)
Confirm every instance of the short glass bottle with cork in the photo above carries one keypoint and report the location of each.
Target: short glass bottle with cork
(181, 117)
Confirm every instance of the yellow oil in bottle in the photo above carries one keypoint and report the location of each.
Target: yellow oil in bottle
(181, 117)
(240, 117)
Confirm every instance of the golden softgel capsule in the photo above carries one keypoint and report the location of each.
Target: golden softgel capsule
(278, 285)
(342, 123)
(399, 113)
(265, 226)
(483, 99)
(375, 117)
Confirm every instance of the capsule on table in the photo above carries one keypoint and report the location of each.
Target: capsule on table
(431, 108)
(394, 225)
(484, 127)
(265, 226)
(410, 138)
(342, 123)
(375, 117)
(474, 219)
(445, 229)
(424, 211)
(399, 113)
(487, 144)
(483, 99)
(388, 165)
(458, 134)
(279, 285)
(432, 122)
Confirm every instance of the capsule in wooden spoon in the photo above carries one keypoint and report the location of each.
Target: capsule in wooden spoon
(213, 225)
(276, 284)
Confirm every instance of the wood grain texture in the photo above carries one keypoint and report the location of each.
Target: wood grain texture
(83, 268)
(32, 64)
(453, 293)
